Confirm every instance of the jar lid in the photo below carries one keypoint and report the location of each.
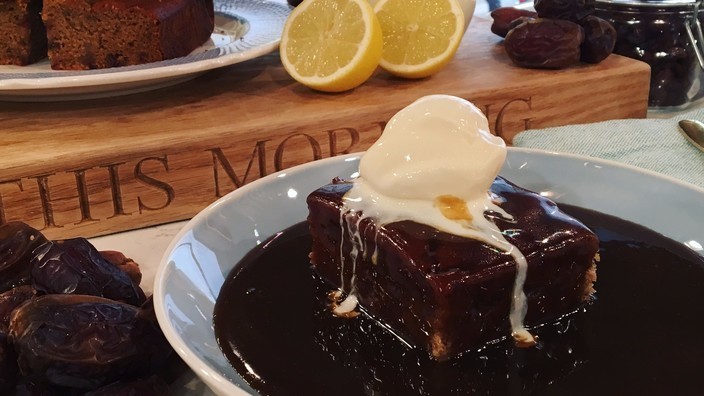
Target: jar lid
(652, 3)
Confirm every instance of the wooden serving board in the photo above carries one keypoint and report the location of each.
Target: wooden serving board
(95, 167)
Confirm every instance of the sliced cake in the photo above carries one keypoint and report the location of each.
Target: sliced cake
(90, 34)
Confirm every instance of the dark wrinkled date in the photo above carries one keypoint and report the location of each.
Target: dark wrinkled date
(17, 241)
(74, 266)
(562, 33)
(505, 17)
(599, 39)
(85, 341)
(545, 44)
(74, 321)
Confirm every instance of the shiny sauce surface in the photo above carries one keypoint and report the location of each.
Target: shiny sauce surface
(642, 335)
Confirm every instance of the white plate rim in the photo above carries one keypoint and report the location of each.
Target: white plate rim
(266, 19)
(221, 385)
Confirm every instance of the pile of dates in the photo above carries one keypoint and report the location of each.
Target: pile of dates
(558, 34)
(74, 321)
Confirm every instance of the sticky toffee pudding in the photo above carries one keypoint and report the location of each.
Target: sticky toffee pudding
(429, 274)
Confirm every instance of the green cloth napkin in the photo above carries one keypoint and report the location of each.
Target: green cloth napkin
(653, 144)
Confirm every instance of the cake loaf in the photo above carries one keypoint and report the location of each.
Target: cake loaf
(22, 31)
(447, 293)
(90, 34)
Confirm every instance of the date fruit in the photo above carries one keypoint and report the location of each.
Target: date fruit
(85, 342)
(57, 340)
(17, 241)
(571, 10)
(504, 17)
(599, 39)
(74, 266)
(545, 44)
(124, 263)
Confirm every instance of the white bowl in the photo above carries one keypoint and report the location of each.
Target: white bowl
(199, 259)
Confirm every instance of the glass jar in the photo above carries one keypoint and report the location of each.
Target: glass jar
(666, 35)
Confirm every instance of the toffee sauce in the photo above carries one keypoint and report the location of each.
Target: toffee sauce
(642, 334)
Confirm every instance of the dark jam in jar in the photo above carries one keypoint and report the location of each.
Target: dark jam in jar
(642, 335)
(658, 33)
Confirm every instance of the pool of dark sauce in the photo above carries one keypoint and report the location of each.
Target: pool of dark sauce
(642, 335)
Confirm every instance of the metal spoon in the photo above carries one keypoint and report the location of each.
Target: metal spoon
(693, 130)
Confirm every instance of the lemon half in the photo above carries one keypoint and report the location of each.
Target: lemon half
(420, 37)
(331, 45)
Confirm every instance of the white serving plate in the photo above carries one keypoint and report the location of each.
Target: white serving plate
(244, 29)
(200, 257)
